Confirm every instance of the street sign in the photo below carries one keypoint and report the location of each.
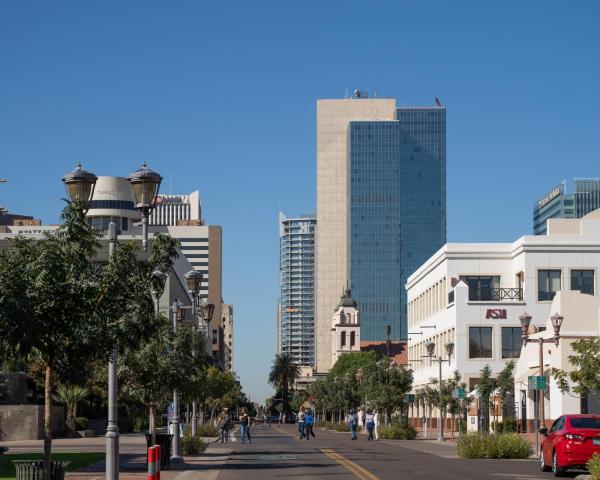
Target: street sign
(171, 412)
(537, 382)
(409, 397)
(458, 393)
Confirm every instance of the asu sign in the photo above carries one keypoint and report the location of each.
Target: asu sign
(496, 313)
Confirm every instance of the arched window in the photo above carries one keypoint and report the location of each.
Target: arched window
(348, 318)
(352, 338)
(343, 339)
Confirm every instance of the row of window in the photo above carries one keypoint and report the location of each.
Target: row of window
(352, 339)
(549, 282)
(481, 342)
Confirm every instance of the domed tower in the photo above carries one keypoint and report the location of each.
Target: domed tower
(345, 327)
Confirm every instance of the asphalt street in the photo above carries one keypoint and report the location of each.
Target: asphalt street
(276, 452)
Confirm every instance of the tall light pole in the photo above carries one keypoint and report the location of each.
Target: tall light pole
(178, 313)
(430, 347)
(556, 320)
(145, 184)
(193, 280)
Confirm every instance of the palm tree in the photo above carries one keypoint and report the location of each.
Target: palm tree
(71, 396)
(283, 373)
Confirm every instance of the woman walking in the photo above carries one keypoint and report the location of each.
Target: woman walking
(352, 420)
(245, 425)
(301, 417)
(370, 422)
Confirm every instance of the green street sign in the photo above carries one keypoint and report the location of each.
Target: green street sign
(537, 382)
(409, 397)
(458, 393)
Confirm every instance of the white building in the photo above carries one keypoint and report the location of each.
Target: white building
(473, 295)
(177, 210)
(345, 327)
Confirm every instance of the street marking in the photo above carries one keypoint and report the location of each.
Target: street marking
(356, 469)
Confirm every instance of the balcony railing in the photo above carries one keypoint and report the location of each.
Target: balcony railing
(507, 294)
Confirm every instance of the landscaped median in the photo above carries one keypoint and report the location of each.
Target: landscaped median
(76, 461)
(393, 431)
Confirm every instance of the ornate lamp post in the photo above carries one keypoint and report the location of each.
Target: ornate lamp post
(80, 184)
(178, 314)
(193, 280)
(556, 320)
(430, 348)
(145, 184)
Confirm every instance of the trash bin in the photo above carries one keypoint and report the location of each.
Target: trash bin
(34, 469)
(164, 440)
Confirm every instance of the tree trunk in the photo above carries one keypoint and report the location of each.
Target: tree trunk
(47, 420)
(152, 425)
(452, 424)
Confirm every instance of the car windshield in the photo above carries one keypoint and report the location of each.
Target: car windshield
(585, 423)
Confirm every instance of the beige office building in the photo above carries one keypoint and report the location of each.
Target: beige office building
(333, 117)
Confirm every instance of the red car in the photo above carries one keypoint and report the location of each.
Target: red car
(569, 443)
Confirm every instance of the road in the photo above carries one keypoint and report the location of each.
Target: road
(276, 453)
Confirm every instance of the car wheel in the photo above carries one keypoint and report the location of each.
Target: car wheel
(556, 468)
(543, 466)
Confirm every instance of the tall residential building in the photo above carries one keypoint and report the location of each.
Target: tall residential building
(180, 218)
(558, 203)
(381, 208)
(177, 210)
(296, 311)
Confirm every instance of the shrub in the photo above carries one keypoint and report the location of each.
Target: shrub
(397, 432)
(340, 427)
(594, 466)
(502, 445)
(81, 423)
(192, 445)
(207, 430)
(324, 424)
(509, 425)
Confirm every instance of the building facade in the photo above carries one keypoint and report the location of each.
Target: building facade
(227, 319)
(296, 309)
(558, 203)
(381, 208)
(177, 210)
(473, 294)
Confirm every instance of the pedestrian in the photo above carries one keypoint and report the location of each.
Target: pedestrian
(245, 425)
(309, 421)
(352, 420)
(223, 422)
(280, 418)
(370, 423)
(301, 417)
(376, 420)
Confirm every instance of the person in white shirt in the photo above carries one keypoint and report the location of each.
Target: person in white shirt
(370, 423)
(376, 420)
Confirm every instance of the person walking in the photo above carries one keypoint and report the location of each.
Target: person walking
(376, 420)
(223, 422)
(245, 425)
(352, 420)
(309, 421)
(370, 423)
(301, 417)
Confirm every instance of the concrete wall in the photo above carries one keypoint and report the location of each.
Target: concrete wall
(26, 422)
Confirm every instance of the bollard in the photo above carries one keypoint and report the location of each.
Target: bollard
(153, 462)
(158, 454)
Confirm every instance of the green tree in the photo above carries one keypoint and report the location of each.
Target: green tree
(583, 377)
(284, 373)
(58, 304)
(351, 362)
(486, 387)
(71, 395)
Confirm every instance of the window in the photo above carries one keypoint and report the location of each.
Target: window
(548, 284)
(343, 341)
(511, 342)
(352, 338)
(480, 342)
(214, 337)
(583, 280)
(585, 422)
(481, 288)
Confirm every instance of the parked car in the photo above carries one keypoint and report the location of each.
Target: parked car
(569, 443)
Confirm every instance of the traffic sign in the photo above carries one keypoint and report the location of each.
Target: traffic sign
(537, 382)
(409, 397)
(458, 393)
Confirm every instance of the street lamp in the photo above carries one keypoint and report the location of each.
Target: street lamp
(178, 314)
(79, 184)
(144, 186)
(556, 320)
(193, 280)
(430, 348)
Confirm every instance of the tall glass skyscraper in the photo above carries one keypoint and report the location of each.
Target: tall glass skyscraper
(558, 203)
(296, 314)
(381, 207)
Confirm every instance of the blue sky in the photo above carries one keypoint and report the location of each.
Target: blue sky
(220, 97)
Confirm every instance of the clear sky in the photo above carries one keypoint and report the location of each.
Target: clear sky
(220, 97)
